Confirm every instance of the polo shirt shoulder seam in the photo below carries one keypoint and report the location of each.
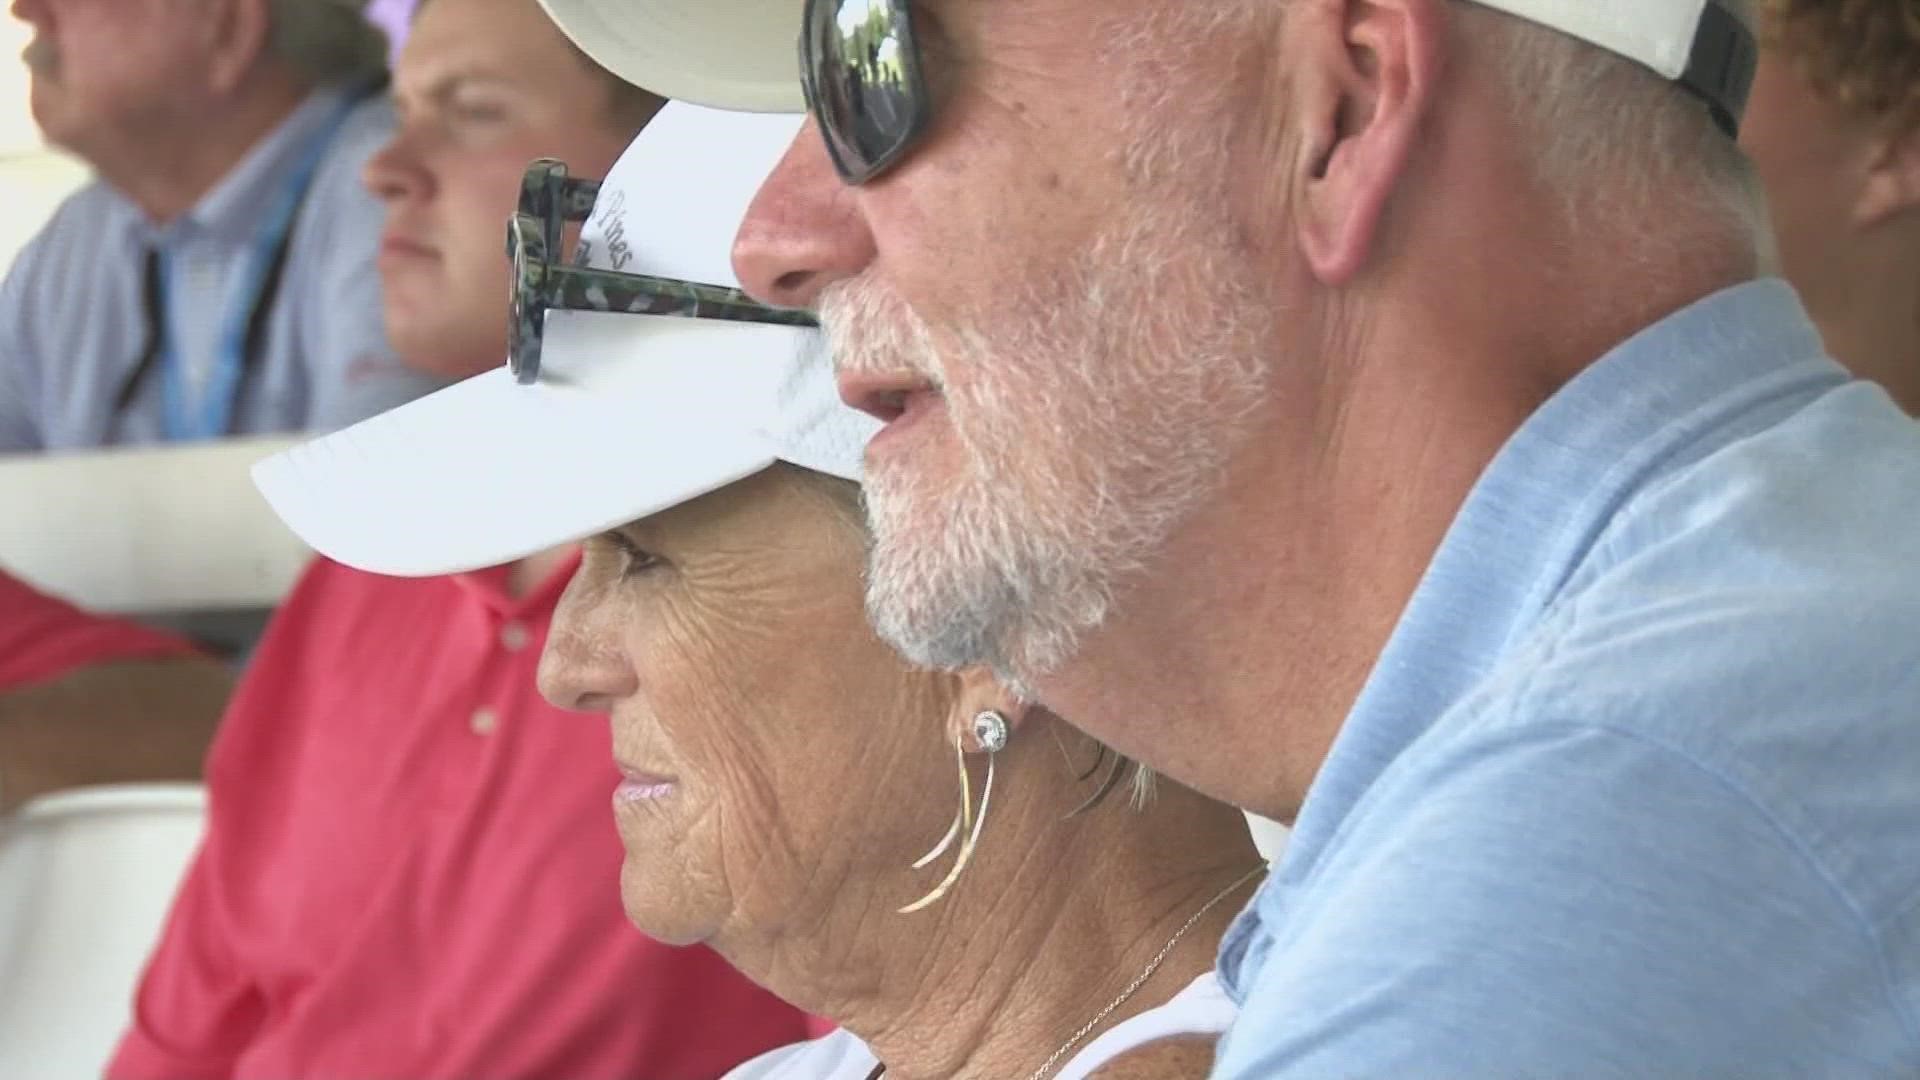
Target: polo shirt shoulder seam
(1610, 549)
(1871, 930)
(1660, 462)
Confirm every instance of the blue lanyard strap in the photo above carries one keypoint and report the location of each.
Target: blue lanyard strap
(211, 416)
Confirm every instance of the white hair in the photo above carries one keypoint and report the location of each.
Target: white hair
(845, 505)
(1618, 142)
(1615, 139)
(326, 41)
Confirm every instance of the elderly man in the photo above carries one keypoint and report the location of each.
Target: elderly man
(1835, 131)
(408, 870)
(214, 279)
(1374, 412)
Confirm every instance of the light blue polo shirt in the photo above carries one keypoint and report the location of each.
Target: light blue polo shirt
(1634, 789)
(73, 319)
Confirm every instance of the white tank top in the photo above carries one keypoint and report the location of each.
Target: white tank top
(1203, 1008)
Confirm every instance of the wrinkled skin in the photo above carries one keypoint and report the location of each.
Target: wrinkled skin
(726, 641)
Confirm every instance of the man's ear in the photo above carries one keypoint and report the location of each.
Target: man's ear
(1367, 73)
(979, 692)
(1891, 186)
(238, 32)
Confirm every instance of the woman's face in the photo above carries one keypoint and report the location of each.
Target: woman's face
(775, 753)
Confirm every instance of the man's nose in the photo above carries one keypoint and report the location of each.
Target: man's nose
(394, 172)
(803, 231)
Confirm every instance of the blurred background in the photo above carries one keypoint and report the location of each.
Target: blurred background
(33, 178)
(69, 952)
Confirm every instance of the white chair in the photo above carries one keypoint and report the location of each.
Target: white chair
(144, 531)
(86, 878)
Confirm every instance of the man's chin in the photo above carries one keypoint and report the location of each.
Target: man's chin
(43, 103)
(928, 623)
(457, 368)
(41, 58)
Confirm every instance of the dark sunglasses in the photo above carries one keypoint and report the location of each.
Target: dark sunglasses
(866, 86)
(549, 199)
(860, 67)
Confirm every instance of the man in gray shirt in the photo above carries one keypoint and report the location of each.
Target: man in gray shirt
(218, 277)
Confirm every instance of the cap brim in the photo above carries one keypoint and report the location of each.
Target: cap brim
(740, 55)
(1656, 33)
(653, 411)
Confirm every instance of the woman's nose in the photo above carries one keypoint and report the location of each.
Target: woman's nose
(803, 231)
(583, 668)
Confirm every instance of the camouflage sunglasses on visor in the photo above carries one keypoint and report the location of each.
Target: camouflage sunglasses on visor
(861, 70)
(549, 199)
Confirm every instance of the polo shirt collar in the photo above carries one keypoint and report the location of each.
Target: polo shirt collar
(1668, 395)
(489, 587)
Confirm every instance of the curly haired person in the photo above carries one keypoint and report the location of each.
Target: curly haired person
(1834, 126)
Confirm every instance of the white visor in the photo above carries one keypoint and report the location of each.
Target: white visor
(632, 414)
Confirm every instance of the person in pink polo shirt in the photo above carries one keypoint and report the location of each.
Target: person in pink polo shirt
(87, 699)
(409, 870)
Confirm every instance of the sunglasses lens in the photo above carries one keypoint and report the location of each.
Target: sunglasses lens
(858, 56)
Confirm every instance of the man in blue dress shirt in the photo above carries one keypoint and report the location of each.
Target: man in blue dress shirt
(218, 276)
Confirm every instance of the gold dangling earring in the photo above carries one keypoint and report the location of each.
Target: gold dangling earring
(990, 728)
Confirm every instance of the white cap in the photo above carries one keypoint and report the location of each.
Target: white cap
(743, 54)
(632, 414)
(728, 54)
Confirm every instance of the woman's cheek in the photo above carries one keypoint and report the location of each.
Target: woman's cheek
(694, 680)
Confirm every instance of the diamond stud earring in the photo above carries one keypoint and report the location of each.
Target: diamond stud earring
(990, 728)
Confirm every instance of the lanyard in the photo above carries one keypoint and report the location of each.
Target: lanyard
(257, 283)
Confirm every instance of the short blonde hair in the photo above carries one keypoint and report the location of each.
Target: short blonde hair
(1863, 54)
(628, 107)
(1611, 133)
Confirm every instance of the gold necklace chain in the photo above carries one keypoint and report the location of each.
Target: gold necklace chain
(1140, 980)
(1133, 987)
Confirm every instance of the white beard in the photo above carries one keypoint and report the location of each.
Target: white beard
(1098, 409)
(1093, 418)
